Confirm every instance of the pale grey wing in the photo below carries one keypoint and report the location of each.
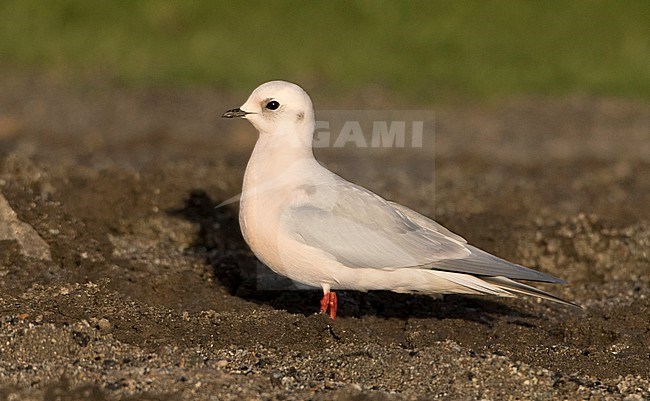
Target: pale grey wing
(426, 222)
(478, 262)
(481, 263)
(360, 229)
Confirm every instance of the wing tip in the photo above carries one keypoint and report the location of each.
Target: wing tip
(551, 279)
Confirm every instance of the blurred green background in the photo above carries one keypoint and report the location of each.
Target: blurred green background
(428, 50)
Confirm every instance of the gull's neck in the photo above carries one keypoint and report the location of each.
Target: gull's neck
(286, 144)
(280, 158)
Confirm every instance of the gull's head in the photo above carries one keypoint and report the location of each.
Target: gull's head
(277, 107)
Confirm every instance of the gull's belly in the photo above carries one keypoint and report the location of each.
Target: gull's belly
(261, 227)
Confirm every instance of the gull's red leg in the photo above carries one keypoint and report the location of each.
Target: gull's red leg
(333, 305)
(325, 302)
(329, 301)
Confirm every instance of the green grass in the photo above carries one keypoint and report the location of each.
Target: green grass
(419, 49)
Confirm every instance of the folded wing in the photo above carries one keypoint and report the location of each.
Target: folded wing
(360, 229)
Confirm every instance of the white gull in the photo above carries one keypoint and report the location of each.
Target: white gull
(312, 226)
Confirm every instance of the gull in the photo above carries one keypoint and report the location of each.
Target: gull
(316, 228)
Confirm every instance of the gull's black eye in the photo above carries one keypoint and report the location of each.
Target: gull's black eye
(272, 105)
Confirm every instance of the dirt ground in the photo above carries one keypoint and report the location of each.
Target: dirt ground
(121, 280)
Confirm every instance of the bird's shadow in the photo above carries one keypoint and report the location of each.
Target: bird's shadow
(237, 269)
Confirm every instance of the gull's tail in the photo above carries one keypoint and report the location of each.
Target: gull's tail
(519, 288)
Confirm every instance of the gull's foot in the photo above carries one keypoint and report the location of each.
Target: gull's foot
(329, 301)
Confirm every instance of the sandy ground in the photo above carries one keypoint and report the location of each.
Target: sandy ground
(121, 280)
